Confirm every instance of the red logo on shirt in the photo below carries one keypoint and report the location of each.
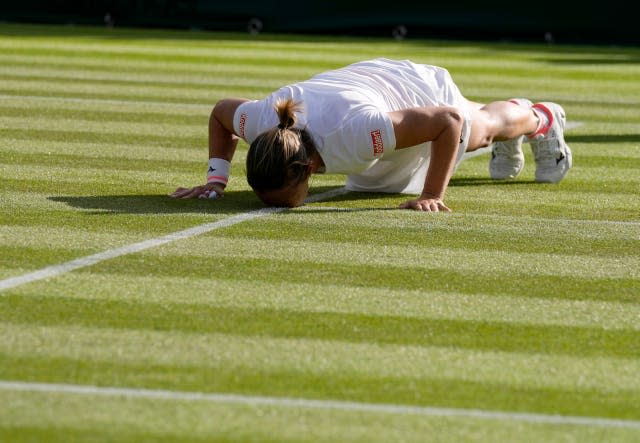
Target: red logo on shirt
(378, 145)
(243, 120)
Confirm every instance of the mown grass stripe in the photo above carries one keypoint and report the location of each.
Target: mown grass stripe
(337, 384)
(102, 211)
(270, 271)
(567, 83)
(130, 61)
(194, 95)
(95, 150)
(92, 162)
(75, 202)
(570, 198)
(187, 85)
(89, 175)
(290, 57)
(558, 251)
(413, 257)
(466, 72)
(177, 79)
(276, 77)
(133, 221)
(309, 403)
(570, 54)
(318, 357)
(51, 237)
(62, 114)
(36, 417)
(268, 73)
(274, 54)
(417, 303)
(98, 103)
(54, 270)
(340, 327)
(329, 216)
(198, 100)
(115, 137)
(142, 92)
(118, 197)
(206, 82)
(99, 127)
(620, 163)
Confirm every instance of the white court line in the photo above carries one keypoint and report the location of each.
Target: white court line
(254, 400)
(90, 260)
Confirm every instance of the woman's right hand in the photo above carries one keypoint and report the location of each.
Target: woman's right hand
(202, 191)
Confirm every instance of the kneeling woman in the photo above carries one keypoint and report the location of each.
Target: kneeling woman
(390, 126)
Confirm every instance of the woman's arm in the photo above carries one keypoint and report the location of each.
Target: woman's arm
(222, 146)
(222, 139)
(442, 126)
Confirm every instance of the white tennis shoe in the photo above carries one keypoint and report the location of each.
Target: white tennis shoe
(550, 151)
(507, 159)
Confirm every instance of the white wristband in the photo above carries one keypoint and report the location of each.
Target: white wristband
(218, 171)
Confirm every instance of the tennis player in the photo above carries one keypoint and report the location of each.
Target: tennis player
(389, 125)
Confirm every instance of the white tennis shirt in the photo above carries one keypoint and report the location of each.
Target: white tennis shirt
(345, 111)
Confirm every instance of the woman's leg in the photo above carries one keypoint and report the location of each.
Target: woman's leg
(498, 121)
(505, 124)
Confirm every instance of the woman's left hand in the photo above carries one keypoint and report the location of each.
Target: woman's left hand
(426, 205)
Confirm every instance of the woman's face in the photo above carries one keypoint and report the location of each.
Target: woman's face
(289, 196)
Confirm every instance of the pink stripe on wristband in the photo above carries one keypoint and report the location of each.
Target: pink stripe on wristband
(218, 171)
(217, 179)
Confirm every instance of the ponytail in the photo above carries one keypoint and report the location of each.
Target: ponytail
(279, 156)
(286, 111)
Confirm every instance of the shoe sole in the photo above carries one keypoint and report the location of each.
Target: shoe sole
(506, 177)
(495, 175)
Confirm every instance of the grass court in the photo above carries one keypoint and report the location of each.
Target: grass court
(523, 305)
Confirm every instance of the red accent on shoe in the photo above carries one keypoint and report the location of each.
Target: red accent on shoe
(542, 129)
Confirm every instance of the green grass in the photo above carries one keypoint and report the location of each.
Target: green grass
(525, 299)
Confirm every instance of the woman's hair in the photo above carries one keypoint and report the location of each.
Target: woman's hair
(279, 157)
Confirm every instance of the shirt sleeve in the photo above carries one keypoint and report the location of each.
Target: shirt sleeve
(372, 133)
(247, 119)
(364, 137)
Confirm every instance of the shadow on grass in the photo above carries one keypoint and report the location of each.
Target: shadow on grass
(486, 181)
(243, 201)
(232, 203)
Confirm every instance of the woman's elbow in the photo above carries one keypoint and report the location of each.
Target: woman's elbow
(454, 117)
